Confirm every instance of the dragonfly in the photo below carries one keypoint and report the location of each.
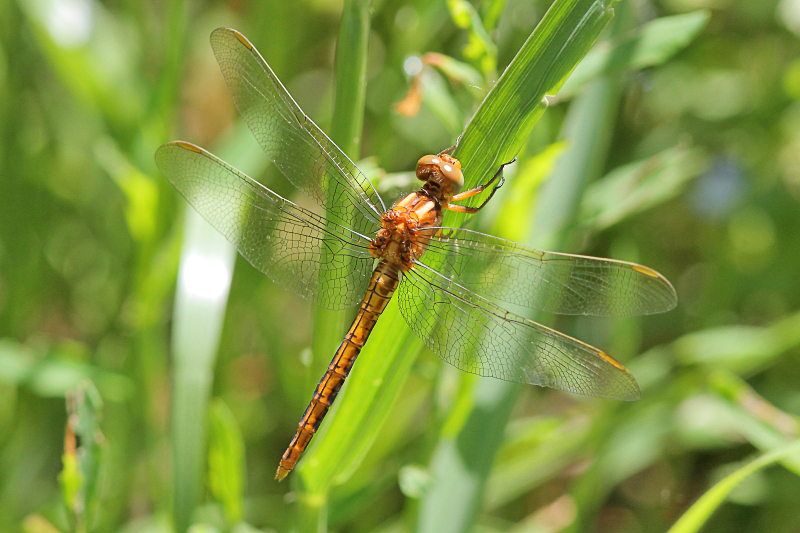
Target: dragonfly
(453, 285)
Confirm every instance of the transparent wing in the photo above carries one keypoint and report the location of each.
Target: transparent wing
(281, 239)
(300, 150)
(556, 283)
(476, 336)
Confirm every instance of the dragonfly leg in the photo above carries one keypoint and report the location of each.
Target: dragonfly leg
(463, 208)
(448, 150)
(477, 190)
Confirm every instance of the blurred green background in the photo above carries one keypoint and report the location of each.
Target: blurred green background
(124, 407)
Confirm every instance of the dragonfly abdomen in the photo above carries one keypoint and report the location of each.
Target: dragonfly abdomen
(381, 287)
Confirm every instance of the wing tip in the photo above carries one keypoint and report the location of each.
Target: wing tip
(630, 392)
(669, 296)
(224, 32)
(165, 148)
(633, 395)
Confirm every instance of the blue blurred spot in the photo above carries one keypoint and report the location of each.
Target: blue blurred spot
(719, 190)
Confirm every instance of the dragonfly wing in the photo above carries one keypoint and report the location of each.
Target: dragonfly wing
(300, 150)
(476, 336)
(553, 282)
(281, 239)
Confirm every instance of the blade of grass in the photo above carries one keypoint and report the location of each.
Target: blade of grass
(205, 273)
(501, 125)
(461, 464)
(83, 457)
(739, 349)
(226, 462)
(206, 261)
(652, 44)
(699, 513)
(351, 76)
(639, 185)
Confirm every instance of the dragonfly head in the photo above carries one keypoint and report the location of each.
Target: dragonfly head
(443, 171)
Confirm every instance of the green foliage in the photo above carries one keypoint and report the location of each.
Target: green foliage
(697, 515)
(673, 142)
(226, 461)
(83, 456)
(649, 45)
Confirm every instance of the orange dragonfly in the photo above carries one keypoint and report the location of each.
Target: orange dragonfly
(450, 282)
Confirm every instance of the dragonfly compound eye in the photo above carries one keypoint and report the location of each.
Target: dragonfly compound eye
(426, 165)
(453, 175)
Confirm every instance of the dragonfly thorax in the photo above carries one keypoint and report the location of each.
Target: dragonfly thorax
(403, 236)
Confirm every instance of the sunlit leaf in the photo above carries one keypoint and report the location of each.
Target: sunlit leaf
(699, 513)
(647, 46)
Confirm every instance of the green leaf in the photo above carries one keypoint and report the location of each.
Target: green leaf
(480, 48)
(763, 424)
(226, 461)
(500, 126)
(71, 481)
(640, 185)
(498, 130)
(647, 46)
(699, 513)
(739, 349)
(83, 455)
(207, 261)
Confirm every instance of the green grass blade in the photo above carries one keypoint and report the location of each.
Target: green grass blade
(351, 77)
(461, 465)
(739, 349)
(699, 513)
(648, 46)
(83, 457)
(633, 188)
(500, 126)
(226, 461)
(207, 261)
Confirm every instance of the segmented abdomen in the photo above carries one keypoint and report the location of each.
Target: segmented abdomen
(381, 287)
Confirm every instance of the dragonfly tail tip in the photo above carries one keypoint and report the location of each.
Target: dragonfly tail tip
(281, 473)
